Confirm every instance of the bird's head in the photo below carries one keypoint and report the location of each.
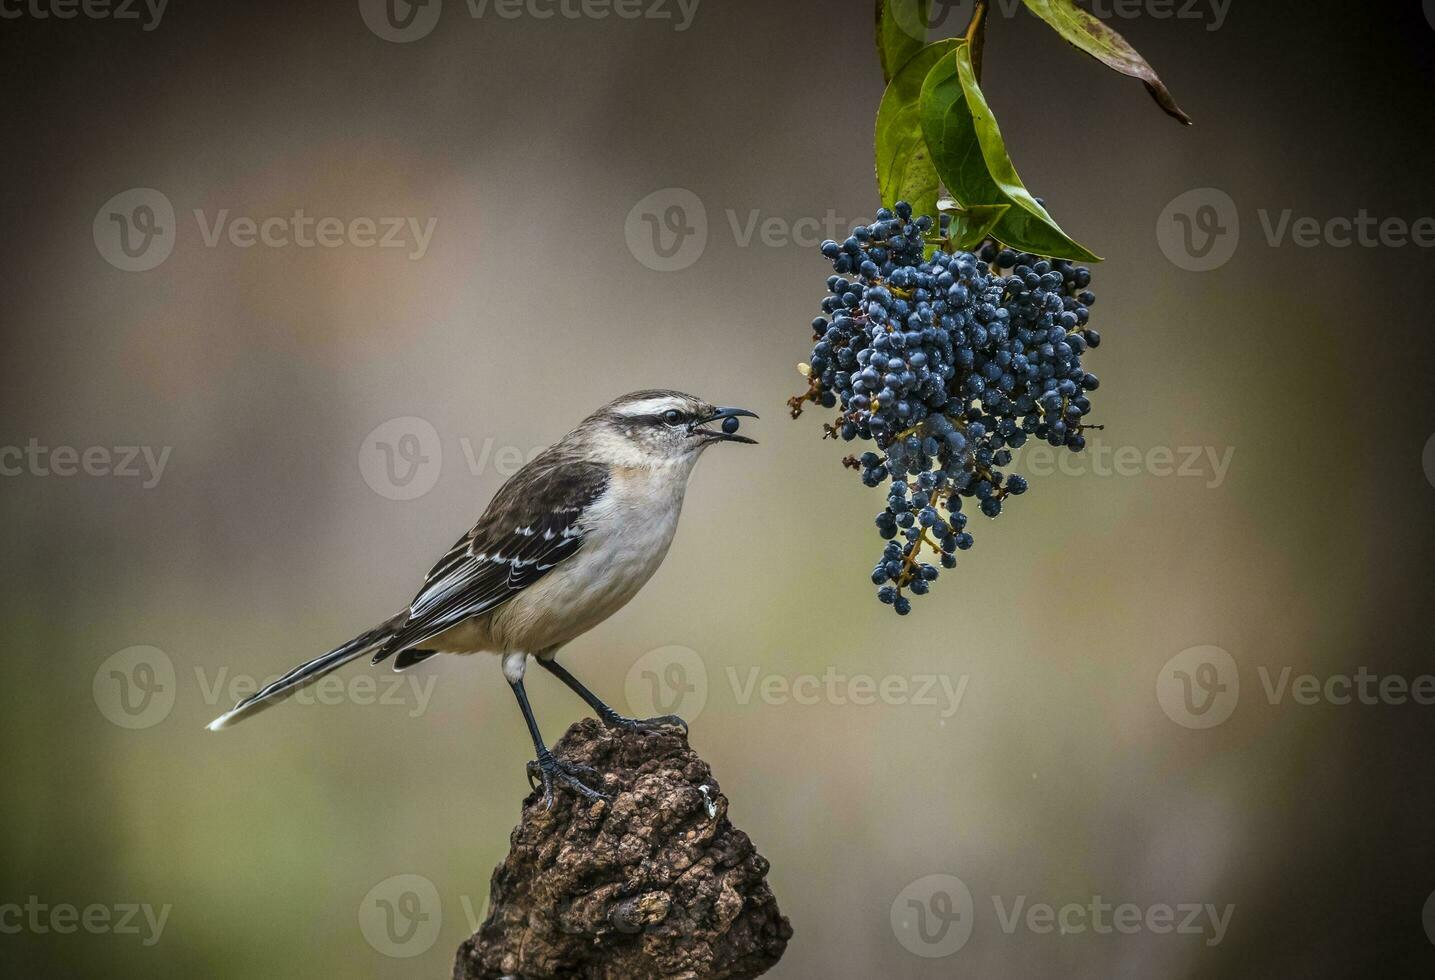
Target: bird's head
(659, 426)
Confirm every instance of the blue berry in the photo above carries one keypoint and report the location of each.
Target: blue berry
(964, 356)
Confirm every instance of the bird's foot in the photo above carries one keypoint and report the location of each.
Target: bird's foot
(549, 770)
(614, 720)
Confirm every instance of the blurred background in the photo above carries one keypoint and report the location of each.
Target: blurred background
(291, 289)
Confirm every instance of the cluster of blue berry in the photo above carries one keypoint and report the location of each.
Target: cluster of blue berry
(948, 364)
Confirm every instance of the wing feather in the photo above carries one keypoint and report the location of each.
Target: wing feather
(534, 522)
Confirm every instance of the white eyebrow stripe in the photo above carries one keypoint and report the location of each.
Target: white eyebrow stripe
(653, 406)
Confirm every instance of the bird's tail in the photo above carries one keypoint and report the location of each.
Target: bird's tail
(307, 673)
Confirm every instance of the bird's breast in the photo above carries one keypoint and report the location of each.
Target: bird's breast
(627, 532)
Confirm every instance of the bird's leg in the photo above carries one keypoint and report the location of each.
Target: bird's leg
(605, 713)
(546, 766)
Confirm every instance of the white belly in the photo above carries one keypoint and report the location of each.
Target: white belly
(628, 533)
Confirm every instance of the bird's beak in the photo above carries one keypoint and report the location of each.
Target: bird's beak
(718, 435)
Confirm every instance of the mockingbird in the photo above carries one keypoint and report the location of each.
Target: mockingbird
(565, 543)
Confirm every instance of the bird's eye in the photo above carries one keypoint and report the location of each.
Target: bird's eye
(672, 416)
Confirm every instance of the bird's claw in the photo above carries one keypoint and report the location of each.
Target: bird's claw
(615, 720)
(547, 769)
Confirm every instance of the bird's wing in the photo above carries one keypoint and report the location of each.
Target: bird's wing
(534, 522)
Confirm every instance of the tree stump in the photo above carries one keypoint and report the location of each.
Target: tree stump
(654, 882)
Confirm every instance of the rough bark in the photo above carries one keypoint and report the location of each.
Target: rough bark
(655, 882)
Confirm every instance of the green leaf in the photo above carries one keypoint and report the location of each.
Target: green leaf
(901, 32)
(971, 226)
(1091, 35)
(904, 165)
(971, 159)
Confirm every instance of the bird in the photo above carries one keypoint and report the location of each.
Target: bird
(563, 544)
